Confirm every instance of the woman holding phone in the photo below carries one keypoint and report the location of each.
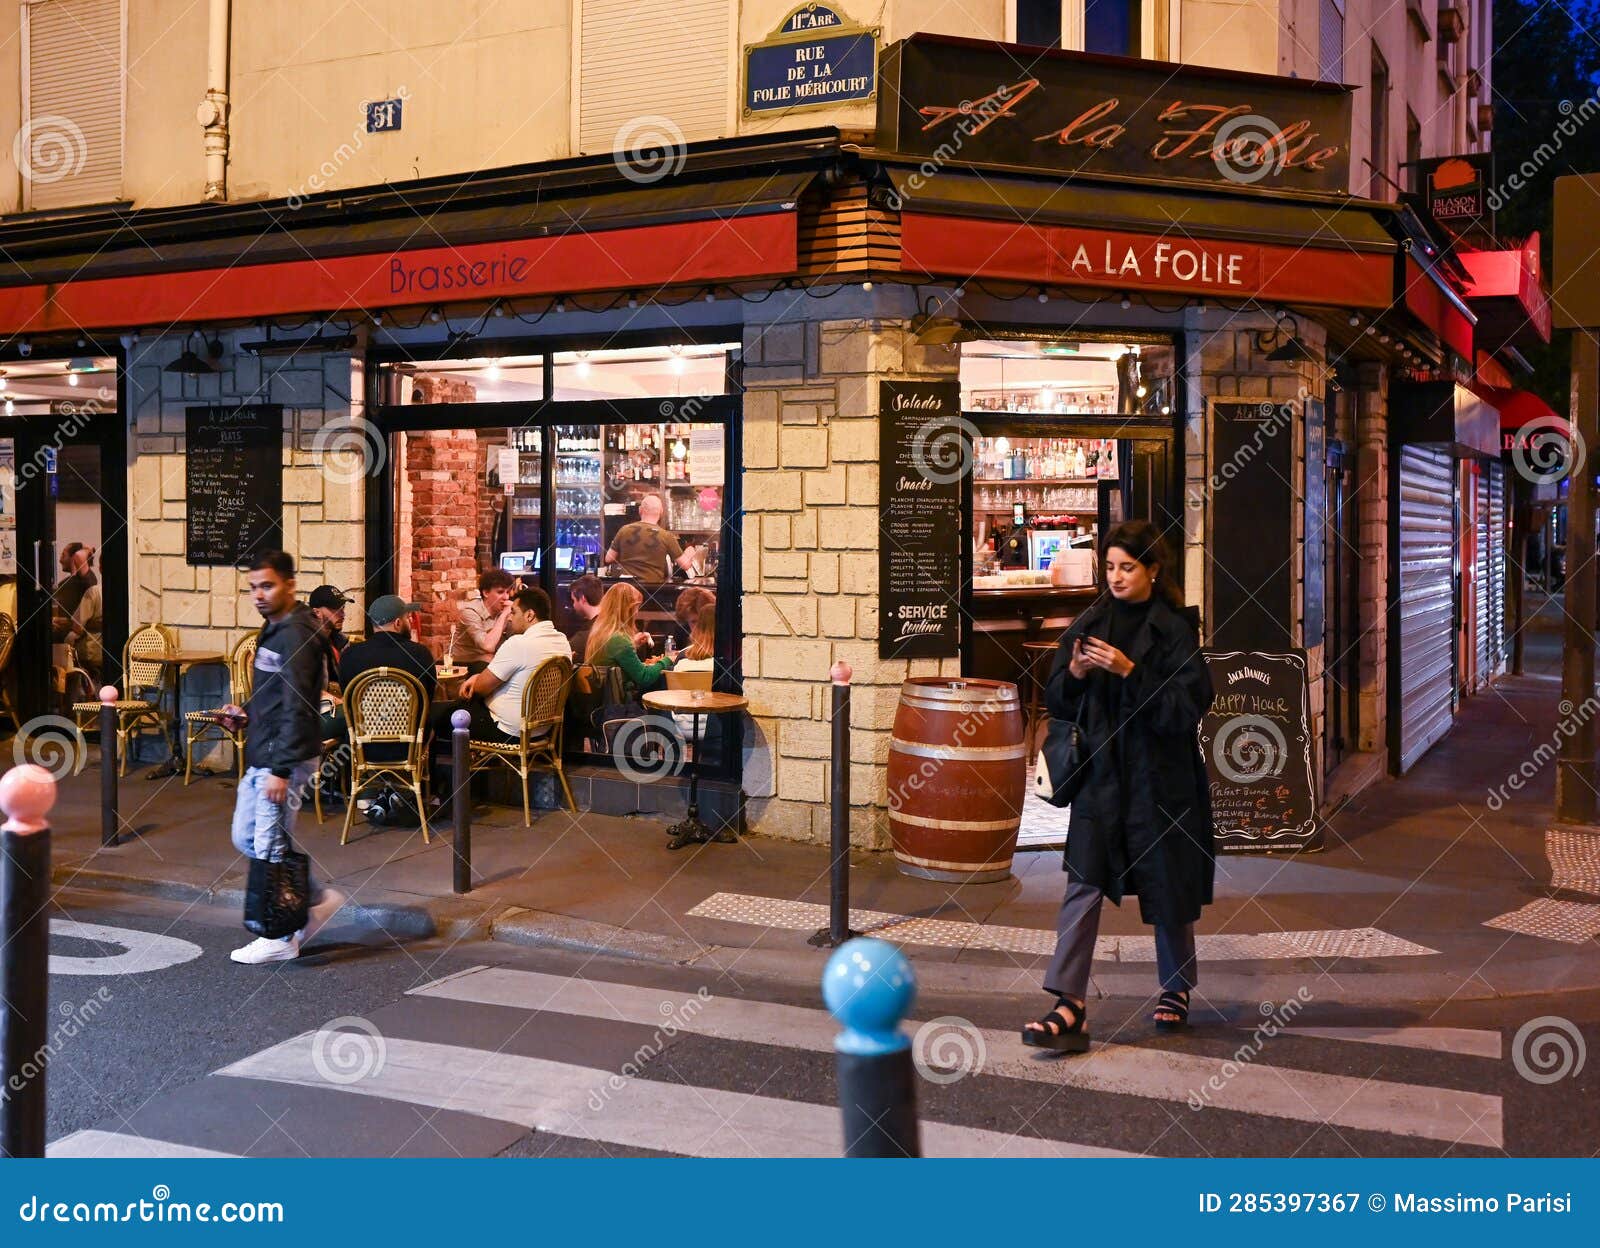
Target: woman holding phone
(1130, 674)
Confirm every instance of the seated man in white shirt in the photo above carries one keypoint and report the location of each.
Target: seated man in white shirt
(495, 694)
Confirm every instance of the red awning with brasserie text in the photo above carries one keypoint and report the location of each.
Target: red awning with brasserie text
(1506, 291)
(714, 249)
(1175, 262)
(1433, 303)
(1522, 414)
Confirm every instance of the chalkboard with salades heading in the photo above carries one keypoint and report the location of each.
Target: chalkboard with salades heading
(1256, 739)
(234, 482)
(923, 453)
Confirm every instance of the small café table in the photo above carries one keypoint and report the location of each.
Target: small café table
(180, 661)
(448, 682)
(695, 702)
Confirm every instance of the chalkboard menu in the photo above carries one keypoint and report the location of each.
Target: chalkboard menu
(1256, 739)
(1250, 568)
(234, 482)
(923, 454)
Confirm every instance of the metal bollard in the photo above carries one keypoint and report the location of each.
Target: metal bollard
(26, 795)
(869, 987)
(838, 929)
(461, 799)
(110, 825)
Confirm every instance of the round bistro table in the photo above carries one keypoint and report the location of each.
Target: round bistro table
(695, 702)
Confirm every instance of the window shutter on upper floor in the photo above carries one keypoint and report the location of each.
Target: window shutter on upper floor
(654, 77)
(69, 150)
(1330, 62)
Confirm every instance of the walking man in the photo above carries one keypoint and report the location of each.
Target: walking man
(284, 742)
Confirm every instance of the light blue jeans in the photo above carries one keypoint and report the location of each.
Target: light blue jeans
(262, 828)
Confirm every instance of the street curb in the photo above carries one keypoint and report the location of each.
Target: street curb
(458, 919)
(397, 919)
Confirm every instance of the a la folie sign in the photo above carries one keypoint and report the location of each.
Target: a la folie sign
(814, 57)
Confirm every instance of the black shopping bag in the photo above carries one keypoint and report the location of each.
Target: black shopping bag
(277, 895)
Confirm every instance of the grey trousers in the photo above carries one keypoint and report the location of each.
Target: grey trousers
(1078, 925)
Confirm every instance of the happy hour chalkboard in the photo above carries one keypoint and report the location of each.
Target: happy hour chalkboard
(923, 453)
(234, 482)
(1256, 739)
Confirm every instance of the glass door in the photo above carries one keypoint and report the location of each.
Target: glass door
(63, 556)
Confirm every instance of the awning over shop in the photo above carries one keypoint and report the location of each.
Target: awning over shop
(1429, 298)
(1442, 413)
(540, 237)
(963, 224)
(1507, 293)
(1523, 415)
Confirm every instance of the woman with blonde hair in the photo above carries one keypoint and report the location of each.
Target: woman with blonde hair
(613, 635)
(699, 657)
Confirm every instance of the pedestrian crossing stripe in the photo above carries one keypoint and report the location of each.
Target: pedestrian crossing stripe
(584, 1103)
(903, 929)
(1249, 1088)
(92, 1143)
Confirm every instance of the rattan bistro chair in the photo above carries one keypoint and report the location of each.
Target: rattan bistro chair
(207, 725)
(135, 711)
(387, 706)
(538, 748)
(8, 643)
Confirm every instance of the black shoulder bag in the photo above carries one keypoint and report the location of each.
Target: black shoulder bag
(277, 895)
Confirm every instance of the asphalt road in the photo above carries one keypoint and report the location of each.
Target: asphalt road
(551, 1054)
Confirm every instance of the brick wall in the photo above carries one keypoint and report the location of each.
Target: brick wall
(810, 575)
(442, 469)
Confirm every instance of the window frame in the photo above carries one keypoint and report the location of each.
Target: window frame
(546, 414)
(1159, 36)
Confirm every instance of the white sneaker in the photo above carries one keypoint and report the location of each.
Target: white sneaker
(318, 916)
(262, 950)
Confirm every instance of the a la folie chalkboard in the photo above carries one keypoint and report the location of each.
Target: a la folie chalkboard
(234, 480)
(1256, 739)
(923, 453)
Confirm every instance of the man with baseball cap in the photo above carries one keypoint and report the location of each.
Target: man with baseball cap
(327, 604)
(390, 644)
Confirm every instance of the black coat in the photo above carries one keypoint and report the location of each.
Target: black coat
(286, 694)
(1141, 825)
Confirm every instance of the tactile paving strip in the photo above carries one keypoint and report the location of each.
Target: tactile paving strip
(1549, 918)
(803, 916)
(1574, 861)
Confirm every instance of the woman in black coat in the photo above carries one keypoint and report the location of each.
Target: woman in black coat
(1130, 674)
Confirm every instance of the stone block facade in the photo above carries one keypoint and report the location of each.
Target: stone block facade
(810, 543)
(323, 504)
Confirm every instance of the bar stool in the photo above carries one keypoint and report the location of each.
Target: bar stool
(1034, 652)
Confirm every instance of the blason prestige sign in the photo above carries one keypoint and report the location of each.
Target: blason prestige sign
(1073, 112)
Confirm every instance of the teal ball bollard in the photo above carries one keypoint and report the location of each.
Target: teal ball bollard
(870, 987)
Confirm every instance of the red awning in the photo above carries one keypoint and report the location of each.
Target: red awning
(1175, 262)
(1438, 307)
(1519, 407)
(1507, 293)
(715, 249)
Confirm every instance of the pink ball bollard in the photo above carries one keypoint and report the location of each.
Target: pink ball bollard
(27, 793)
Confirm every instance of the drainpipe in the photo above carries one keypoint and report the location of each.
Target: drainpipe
(213, 110)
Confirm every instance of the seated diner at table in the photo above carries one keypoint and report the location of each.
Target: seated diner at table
(493, 697)
(614, 638)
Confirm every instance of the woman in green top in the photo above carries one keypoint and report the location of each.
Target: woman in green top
(613, 635)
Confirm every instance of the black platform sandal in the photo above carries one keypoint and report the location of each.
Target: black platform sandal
(1060, 1035)
(1172, 1003)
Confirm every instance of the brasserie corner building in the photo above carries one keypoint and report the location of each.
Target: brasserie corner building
(1112, 289)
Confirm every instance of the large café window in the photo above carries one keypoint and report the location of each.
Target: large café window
(534, 464)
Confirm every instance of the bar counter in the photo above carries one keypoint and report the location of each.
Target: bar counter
(1004, 617)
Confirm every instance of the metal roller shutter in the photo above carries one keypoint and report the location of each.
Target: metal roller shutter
(677, 93)
(70, 147)
(1482, 595)
(1497, 566)
(1426, 598)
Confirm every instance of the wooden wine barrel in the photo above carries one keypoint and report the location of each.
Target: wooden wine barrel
(957, 774)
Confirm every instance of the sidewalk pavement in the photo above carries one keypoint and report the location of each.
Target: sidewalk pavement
(1424, 859)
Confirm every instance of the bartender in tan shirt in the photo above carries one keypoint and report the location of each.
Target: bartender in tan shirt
(643, 548)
